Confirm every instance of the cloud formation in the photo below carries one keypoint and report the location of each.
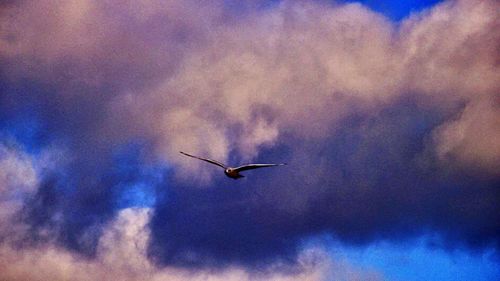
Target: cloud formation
(17, 177)
(391, 129)
(190, 74)
(122, 249)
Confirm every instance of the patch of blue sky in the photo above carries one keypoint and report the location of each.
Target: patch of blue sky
(24, 130)
(138, 179)
(141, 194)
(417, 260)
(396, 9)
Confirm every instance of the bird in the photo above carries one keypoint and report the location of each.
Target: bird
(233, 172)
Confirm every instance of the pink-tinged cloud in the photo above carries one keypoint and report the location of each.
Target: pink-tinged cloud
(122, 255)
(472, 139)
(383, 122)
(186, 75)
(122, 249)
(17, 178)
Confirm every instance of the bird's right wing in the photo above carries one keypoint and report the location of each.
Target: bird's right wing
(205, 159)
(256, 166)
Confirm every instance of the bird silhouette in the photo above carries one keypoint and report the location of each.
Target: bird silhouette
(232, 172)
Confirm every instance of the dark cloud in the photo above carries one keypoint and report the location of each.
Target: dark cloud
(120, 87)
(372, 180)
(75, 206)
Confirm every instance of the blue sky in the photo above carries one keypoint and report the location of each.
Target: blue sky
(398, 10)
(419, 261)
(389, 134)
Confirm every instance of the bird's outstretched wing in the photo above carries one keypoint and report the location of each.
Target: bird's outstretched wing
(256, 166)
(205, 159)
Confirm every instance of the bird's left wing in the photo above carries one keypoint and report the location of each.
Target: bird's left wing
(205, 159)
(256, 166)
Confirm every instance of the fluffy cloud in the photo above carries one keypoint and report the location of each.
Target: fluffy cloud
(122, 256)
(17, 178)
(372, 114)
(195, 78)
(472, 139)
(122, 250)
(16, 171)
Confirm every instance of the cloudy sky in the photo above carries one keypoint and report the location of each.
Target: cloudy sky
(387, 113)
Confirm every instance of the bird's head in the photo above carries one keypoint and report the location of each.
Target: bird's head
(228, 170)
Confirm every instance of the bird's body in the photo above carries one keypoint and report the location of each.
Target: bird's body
(231, 172)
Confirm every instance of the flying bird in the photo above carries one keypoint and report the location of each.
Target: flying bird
(231, 172)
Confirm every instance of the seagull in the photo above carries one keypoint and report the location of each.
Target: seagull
(231, 172)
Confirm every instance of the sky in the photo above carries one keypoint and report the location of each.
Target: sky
(386, 112)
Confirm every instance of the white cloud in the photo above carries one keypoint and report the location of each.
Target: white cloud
(122, 256)
(189, 78)
(17, 171)
(122, 249)
(473, 139)
(214, 85)
(18, 177)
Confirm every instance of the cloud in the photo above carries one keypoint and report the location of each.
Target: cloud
(122, 256)
(16, 171)
(215, 73)
(472, 139)
(122, 248)
(368, 182)
(17, 177)
(389, 128)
